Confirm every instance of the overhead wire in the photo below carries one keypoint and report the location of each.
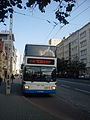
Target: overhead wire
(79, 5)
(80, 13)
(50, 22)
(71, 20)
(54, 23)
(51, 31)
(28, 15)
(64, 25)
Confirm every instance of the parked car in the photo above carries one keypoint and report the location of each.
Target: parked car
(81, 76)
(87, 76)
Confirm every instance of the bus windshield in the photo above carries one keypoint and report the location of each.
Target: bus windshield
(32, 73)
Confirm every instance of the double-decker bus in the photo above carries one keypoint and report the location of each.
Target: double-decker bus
(39, 69)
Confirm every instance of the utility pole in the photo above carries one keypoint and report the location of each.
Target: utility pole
(11, 26)
(9, 56)
(11, 41)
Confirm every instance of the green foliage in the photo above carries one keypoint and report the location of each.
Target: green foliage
(62, 12)
(70, 68)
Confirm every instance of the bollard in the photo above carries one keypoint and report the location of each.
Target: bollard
(8, 87)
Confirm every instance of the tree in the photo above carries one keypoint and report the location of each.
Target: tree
(62, 12)
(70, 68)
(62, 66)
(82, 67)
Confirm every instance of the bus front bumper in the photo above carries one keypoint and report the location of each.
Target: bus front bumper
(38, 91)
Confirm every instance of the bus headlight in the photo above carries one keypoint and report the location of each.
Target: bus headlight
(26, 87)
(53, 87)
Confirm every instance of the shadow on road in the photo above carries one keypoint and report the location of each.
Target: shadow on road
(38, 95)
(2, 88)
(16, 89)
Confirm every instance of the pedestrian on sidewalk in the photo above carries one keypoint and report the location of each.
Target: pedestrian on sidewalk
(12, 77)
(0, 80)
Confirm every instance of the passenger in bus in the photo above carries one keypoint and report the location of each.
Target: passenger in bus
(0, 80)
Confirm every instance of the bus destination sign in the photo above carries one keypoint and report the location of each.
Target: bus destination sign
(40, 61)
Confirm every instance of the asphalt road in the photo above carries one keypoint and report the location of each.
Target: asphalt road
(67, 104)
(77, 85)
(77, 92)
(71, 102)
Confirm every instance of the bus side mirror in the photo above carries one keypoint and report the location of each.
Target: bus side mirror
(22, 66)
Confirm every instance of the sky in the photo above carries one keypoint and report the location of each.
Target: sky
(32, 26)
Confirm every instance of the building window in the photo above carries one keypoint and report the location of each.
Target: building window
(75, 42)
(4, 36)
(83, 43)
(7, 47)
(83, 34)
(74, 49)
(89, 33)
(66, 53)
(83, 52)
(84, 60)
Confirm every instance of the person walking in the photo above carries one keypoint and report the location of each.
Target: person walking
(12, 77)
(0, 80)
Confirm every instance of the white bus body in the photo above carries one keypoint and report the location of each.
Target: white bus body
(39, 74)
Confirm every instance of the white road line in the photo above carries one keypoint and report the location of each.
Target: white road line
(75, 89)
(76, 83)
(40, 107)
(65, 86)
(82, 90)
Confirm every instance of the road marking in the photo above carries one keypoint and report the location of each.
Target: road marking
(40, 107)
(75, 82)
(85, 91)
(82, 90)
(29, 101)
(62, 85)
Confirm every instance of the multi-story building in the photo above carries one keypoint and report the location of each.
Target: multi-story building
(67, 48)
(54, 41)
(9, 50)
(60, 50)
(76, 46)
(2, 59)
(84, 45)
(14, 60)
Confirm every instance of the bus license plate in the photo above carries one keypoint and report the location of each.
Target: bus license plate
(40, 91)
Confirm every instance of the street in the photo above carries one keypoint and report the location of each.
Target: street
(75, 91)
(71, 102)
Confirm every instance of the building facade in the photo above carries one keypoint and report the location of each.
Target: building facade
(54, 41)
(76, 46)
(2, 59)
(84, 45)
(10, 57)
(60, 50)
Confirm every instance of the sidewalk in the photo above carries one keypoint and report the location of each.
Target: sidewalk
(15, 107)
